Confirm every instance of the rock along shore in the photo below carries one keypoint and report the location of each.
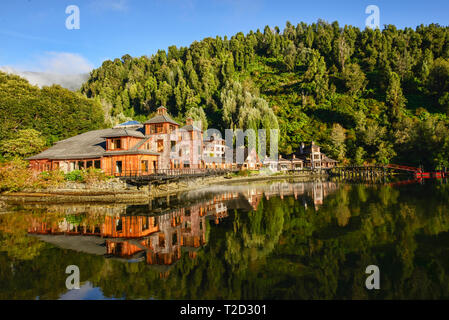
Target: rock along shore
(117, 191)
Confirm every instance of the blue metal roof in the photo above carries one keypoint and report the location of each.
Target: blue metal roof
(129, 123)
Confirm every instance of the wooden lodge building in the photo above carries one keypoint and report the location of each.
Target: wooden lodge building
(133, 148)
(310, 158)
(313, 158)
(129, 148)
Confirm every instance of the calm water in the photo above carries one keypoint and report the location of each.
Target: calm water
(280, 240)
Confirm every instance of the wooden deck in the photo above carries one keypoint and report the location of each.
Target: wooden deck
(159, 176)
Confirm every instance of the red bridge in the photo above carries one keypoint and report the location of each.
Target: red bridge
(352, 171)
(404, 168)
(418, 171)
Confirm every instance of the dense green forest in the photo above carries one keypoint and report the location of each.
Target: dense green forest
(33, 118)
(363, 95)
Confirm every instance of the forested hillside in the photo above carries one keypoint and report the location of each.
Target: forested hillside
(33, 118)
(363, 95)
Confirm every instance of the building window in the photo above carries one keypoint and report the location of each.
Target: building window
(97, 164)
(89, 164)
(81, 165)
(159, 128)
(160, 146)
(187, 165)
(118, 225)
(161, 240)
(118, 167)
(146, 223)
(173, 146)
(116, 144)
(174, 239)
(144, 165)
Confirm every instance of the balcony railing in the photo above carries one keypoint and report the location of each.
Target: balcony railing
(172, 172)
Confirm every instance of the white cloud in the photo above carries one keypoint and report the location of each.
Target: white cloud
(69, 70)
(64, 63)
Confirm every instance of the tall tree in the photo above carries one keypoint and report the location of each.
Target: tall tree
(395, 98)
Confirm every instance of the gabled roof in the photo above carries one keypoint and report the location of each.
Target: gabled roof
(327, 159)
(162, 118)
(88, 145)
(294, 157)
(191, 127)
(83, 146)
(124, 133)
(267, 159)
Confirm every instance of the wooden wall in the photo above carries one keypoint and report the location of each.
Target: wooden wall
(131, 164)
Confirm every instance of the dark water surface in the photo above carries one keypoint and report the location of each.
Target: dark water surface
(280, 240)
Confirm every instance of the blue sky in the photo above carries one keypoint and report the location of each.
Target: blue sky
(34, 36)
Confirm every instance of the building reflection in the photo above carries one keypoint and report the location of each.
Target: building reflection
(160, 231)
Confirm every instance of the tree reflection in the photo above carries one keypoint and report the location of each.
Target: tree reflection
(274, 242)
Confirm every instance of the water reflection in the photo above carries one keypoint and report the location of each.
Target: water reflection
(258, 241)
(157, 233)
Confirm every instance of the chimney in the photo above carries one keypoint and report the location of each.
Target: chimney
(189, 121)
(294, 156)
(162, 110)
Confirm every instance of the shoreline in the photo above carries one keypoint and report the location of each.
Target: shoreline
(133, 194)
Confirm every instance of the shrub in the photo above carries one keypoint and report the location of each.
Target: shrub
(15, 176)
(75, 175)
(92, 175)
(50, 178)
(243, 173)
(89, 176)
